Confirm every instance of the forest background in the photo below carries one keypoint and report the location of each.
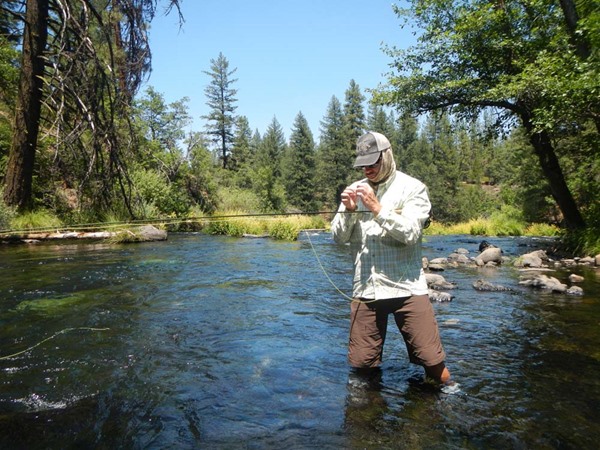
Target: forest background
(496, 108)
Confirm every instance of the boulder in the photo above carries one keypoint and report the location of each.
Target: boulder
(533, 259)
(458, 258)
(586, 261)
(597, 260)
(573, 278)
(491, 254)
(151, 233)
(483, 285)
(575, 290)
(438, 282)
(542, 281)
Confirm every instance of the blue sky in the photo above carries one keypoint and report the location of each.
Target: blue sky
(290, 56)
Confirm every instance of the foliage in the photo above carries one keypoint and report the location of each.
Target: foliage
(298, 168)
(156, 197)
(40, 219)
(237, 199)
(517, 58)
(281, 228)
(7, 214)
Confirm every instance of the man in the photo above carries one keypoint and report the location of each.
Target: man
(382, 217)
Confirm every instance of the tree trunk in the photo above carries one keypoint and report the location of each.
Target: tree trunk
(571, 19)
(19, 173)
(543, 148)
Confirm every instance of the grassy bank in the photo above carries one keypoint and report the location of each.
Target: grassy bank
(287, 227)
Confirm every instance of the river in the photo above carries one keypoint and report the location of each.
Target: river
(226, 343)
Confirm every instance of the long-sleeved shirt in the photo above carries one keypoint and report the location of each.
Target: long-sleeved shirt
(387, 248)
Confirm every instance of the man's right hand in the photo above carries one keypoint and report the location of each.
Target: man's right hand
(349, 198)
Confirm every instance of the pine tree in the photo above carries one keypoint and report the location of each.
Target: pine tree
(381, 122)
(266, 176)
(241, 151)
(332, 159)
(221, 100)
(299, 168)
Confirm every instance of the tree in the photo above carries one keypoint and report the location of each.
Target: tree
(163, 129)
(19, 173)
(85, 76)
(221, 100)
(515, 57)
(241, 151)
(381, 122)
(299, 170)
(266, 171)
(200, 181)
(332, 158)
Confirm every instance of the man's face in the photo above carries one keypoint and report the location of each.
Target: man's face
(372, 170)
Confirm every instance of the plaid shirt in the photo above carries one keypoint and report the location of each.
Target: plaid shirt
(387, 249)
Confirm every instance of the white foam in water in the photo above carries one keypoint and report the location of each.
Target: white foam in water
(451, 388)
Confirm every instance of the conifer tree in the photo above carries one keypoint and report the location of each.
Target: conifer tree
(299, 168)
(221, 100)
(332, 158)
(241, 151)
(381, 122)
(266, 177)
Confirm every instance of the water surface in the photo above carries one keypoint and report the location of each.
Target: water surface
(216, 342)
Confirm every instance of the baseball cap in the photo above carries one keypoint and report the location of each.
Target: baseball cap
(368, 148)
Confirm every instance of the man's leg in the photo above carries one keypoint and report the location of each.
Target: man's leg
(367, 335)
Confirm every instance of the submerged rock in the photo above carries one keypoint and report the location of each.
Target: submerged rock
(440, 297)
(483, 285)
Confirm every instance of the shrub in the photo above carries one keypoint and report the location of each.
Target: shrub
(40, 219)
(6, 215)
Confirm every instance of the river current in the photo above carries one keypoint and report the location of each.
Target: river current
(219, 342)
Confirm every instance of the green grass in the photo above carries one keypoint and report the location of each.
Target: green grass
(278, 227)
(36, 220)
(496, 226)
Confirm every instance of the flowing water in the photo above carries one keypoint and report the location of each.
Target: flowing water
(216, 342)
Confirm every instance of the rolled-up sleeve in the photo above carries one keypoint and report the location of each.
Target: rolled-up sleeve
(342, 225)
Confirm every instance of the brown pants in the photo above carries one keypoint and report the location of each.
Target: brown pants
(415, 319)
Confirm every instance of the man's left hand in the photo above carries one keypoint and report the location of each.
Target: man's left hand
(367, 195)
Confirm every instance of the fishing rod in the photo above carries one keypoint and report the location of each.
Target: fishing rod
(164, 220)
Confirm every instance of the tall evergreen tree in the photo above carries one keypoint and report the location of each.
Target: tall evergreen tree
(354, 116)
(407, 133)
(266, 178)
(380, 121)
(332, 158)
(299, 169)
(241, 150)
(221, 99)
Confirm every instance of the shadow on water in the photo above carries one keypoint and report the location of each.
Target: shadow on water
(214, 342)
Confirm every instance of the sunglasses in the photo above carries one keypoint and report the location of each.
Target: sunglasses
(372, 166)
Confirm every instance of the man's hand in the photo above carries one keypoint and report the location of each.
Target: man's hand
(349, 198)
(366, 194)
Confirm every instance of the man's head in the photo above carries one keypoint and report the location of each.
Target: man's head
(369, 148)
(374, 156)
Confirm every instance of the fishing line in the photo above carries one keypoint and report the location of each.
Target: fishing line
(66, 330)
(329, 278)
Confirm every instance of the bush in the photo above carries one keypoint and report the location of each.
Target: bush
(40, 219)
(6, 215)
(236, 199)
(157, 196)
